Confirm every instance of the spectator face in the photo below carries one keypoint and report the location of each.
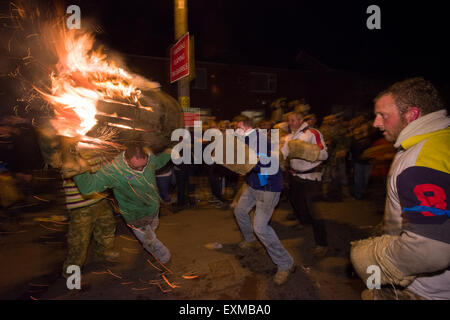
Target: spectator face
(388, 118)
(242, 126)
(223, 125)
(294, 122)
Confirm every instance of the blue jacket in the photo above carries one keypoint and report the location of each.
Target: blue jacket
(272, 183)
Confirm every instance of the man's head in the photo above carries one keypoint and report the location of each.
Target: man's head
(402, 103)
(266, 124)
(223, 125)
(330, 120)
(295, 121)
(135, 156)
(311, 119)
(243, 123)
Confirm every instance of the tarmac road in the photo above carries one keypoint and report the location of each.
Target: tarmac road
(32, 253)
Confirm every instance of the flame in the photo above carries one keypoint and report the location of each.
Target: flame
(83, 77)
(123, 126)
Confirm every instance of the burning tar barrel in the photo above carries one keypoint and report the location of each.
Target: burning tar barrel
(151, 119)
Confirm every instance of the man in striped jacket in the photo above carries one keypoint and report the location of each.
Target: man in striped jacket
(414, 252)
(89, 216)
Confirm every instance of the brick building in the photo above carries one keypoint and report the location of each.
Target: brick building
(228, 89)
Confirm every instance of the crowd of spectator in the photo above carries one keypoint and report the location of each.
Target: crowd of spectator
(357, 154)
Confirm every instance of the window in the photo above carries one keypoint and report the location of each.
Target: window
(200, 79)
(263, 82)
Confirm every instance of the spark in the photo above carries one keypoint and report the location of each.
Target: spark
(147, 108)
(36, 197)
(153, 265)
(187, 276)
(134, 251)
(33, 298)
(49, 228)
(139, 289)
(124, 127)
(170, 284)
(127, 238)
(161, 288)
(38, 285)
(113, 116)
(132, 227)
(155, 281)
(114, 275)
(28, 56)
(162, 264)
(59, 222)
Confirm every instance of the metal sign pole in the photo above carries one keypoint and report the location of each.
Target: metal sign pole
(181, 27)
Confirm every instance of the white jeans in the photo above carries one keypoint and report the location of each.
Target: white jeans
(147, 236)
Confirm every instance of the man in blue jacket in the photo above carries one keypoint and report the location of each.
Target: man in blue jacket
(263, 191)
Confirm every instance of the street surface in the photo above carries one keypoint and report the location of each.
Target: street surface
(206, 261)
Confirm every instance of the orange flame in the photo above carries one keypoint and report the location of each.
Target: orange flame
(83, 77)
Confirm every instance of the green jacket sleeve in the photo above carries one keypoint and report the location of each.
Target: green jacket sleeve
(89, 183)
(161, 160)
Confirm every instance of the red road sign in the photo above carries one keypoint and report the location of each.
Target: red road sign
(179, 59)
(190, 116)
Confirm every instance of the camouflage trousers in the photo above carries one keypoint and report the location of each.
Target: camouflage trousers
(97, 220)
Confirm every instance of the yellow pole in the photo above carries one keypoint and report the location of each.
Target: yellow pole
(181, 27)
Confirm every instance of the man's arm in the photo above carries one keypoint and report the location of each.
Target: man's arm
(285, 148)
(162, 158)
(424, 246)
(317, 138)
(89, 183)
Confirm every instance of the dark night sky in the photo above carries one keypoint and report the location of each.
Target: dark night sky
(412, 40)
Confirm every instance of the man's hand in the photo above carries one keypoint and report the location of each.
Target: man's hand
(74, 167)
